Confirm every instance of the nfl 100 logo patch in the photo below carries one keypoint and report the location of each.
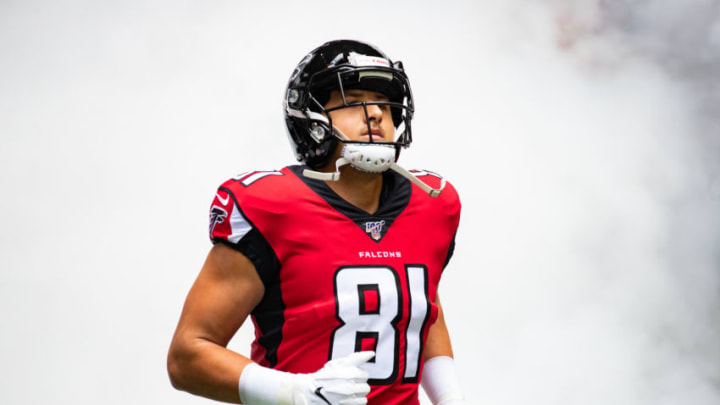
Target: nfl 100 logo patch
(374, 229)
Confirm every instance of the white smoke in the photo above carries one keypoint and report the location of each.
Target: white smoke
(583, 137)
(605, 232)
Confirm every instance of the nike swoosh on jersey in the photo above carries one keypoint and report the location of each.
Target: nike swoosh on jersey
(223, 201)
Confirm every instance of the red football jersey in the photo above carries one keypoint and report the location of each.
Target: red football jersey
(337, 279)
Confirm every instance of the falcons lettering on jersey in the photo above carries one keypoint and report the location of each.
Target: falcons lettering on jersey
(363, 281)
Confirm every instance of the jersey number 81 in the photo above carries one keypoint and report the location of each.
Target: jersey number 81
(369, 306)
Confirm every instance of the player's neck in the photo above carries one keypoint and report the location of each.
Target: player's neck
(359, 188)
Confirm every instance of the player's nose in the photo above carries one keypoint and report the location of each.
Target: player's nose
(374, 112)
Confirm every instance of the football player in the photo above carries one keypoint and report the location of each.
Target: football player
(337, 261)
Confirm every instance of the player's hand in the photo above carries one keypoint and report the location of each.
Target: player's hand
(339, 382)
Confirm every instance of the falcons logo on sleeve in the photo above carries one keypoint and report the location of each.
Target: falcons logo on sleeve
(217, 216)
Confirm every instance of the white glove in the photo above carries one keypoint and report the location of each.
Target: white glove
(440, 382)
(339, 382)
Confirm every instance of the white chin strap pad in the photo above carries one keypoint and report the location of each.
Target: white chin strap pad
(363, 157)
(369, 158)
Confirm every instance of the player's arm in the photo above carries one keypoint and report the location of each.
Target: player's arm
(439, 378)
(438, 340)
(225, 292)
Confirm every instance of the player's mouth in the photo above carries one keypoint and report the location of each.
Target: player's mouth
(375, 134)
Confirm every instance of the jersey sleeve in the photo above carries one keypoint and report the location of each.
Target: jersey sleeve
(448, 202)
(229, 226)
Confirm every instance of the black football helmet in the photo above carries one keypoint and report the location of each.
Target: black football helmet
(342, 65)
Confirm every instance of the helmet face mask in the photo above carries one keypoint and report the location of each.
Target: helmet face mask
(378, 81)
(342, 66)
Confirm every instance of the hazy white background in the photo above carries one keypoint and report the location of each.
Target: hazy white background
(583, 137)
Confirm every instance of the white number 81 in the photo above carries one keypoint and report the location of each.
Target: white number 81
(369, 306)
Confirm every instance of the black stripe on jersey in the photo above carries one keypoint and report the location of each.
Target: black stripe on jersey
(394, 197)
(269, 313)
(424, 324)
(451, 250)
(269, 318)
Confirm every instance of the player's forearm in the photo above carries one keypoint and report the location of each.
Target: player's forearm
(207, 369)
(438, 341)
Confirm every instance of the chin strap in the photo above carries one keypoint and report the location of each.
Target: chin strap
(434, 192)
(335, 176)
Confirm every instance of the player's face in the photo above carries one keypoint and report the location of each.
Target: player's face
(352, 121)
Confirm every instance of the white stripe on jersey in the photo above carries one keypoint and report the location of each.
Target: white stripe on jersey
(259, 175)
(239, 226)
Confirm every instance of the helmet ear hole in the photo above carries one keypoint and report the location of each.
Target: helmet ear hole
(293, 96)
(317, 132)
